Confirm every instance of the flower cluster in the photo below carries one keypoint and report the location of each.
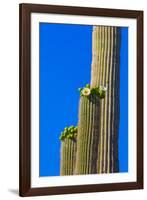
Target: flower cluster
(69, 132)
(100, 91)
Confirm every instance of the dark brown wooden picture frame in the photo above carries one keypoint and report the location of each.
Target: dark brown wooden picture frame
(25, 99)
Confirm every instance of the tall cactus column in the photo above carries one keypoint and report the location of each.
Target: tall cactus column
(68, 157)
(88, 137)
(105, 71)
(68, 151)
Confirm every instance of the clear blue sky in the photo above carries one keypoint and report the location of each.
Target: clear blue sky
(65, 61)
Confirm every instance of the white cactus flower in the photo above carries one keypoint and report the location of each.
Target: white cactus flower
(86, 92)
(103, 88)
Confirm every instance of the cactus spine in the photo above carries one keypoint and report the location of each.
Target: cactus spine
(105, 71)
(68, 157)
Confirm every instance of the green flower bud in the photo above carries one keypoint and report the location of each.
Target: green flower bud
(87, 85)
(68, 136)
(75, 129)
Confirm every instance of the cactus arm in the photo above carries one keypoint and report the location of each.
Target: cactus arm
(68, 150)
(68, 156)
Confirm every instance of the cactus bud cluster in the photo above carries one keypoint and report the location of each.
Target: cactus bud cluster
(69, 132)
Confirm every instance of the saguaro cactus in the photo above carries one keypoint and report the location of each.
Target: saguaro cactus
(96, 149)
(68, 151)
(87, 140)
(105, 71)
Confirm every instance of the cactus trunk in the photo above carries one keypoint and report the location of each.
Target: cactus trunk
(68, 157)
(105, 71)
(87, 140)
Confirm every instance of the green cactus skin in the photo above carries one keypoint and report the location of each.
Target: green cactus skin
(87, 139)
(68, 156)
(105, 71)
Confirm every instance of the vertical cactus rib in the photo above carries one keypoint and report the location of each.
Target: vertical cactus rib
(100, 81)
(96, 51)
(84, 137)
(106, 100)
(80, 129)
(87, 136)
(116, 104)
(82, 120)
(95, 134)
(110, 100)
(106, 72)
(68, 157)
(91, 129)
(105, 137)
(113, 102)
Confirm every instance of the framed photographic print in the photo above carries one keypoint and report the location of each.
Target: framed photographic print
(81, 99)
